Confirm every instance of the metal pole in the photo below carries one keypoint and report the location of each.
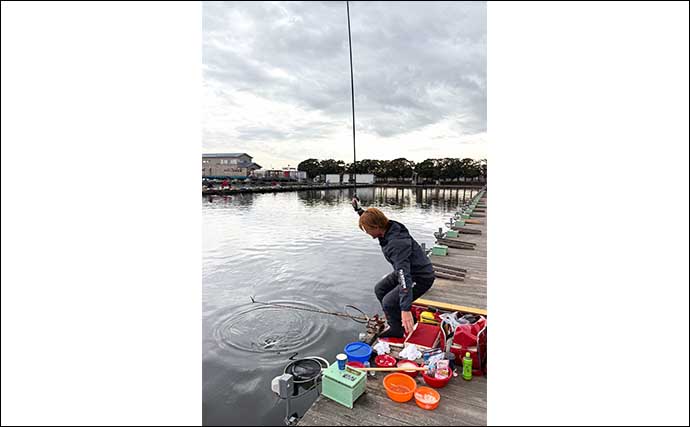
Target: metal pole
(352, 87)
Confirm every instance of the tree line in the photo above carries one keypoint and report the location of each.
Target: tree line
(434, 169)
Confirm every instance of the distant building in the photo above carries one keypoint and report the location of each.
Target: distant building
(334, 178)
(365, 178)
(362, 178)
(227, 165)
(284, 174)
(300, 175)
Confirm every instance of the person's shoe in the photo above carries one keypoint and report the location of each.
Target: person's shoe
(391, 332)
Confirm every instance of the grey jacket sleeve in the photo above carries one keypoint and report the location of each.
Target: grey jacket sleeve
(400, 251)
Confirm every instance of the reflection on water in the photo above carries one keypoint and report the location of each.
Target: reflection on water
(303, 248)
(377, 196)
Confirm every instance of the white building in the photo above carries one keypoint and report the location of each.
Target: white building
(362, 178)
(365, 178)
(333, 178)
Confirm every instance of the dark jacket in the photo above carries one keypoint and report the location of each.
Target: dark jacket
(406, 256)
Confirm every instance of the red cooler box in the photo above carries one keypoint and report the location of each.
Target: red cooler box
(465, 340)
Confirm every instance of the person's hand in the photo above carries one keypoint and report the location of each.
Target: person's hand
(355, 203)
(407, 321)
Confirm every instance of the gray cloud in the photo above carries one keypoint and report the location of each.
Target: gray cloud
(415, 63)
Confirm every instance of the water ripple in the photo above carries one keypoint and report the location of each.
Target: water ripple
(267, 329)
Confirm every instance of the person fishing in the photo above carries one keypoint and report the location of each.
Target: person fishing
(413, 274)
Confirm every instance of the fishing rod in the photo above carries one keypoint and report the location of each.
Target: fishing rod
(352, 87)
(357, 319)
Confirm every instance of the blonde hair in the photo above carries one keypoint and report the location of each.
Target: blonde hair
(373, 218)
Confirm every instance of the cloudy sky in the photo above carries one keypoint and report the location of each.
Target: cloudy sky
(277, 80)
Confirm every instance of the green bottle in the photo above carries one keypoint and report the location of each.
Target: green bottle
(467, 367)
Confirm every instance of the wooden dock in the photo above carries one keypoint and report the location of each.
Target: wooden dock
(472, 291)
(462, 402)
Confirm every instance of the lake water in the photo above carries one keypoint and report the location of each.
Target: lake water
(305, 249)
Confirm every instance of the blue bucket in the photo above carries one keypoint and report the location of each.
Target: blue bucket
(358, 352)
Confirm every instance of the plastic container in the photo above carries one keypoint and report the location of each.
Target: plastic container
(358, 352)
(410, 363)
(467, 367)
(428, 317)
(384, 361)
(442, 370)
(427, 398)
(368, 365)
(305, 372)
(451, 361)
(341, 358)
(435, 383)
(399, 387)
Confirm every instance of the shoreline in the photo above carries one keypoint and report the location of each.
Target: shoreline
(278, 189)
